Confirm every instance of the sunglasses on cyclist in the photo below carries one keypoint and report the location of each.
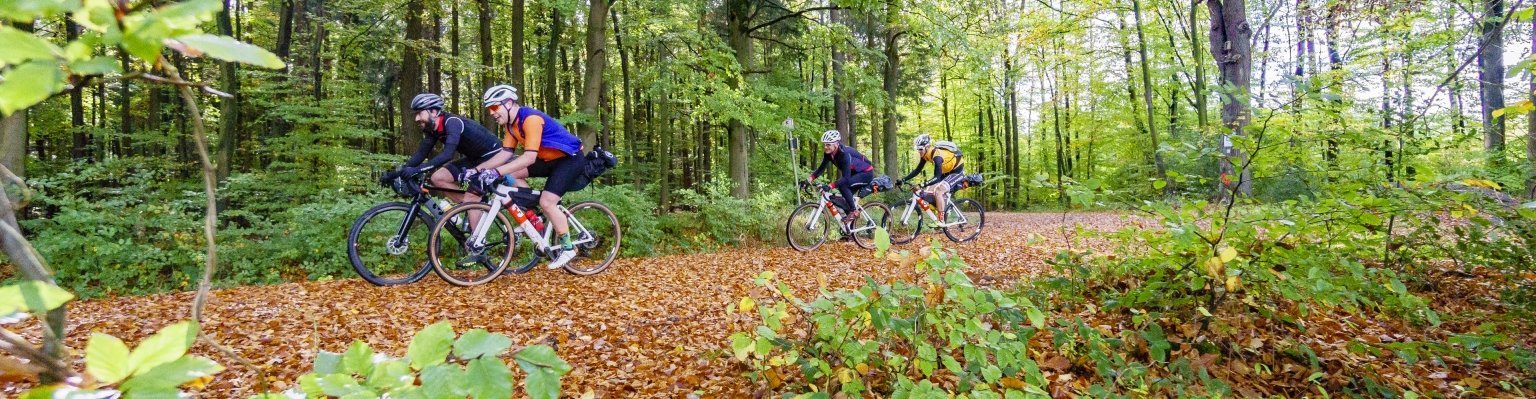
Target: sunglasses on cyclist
(494, 107)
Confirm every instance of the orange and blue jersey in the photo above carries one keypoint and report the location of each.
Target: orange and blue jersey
(537, 131)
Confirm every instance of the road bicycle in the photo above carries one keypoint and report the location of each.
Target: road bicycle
(811, 223)
(963, 218)
(510, 230)
(387, 244)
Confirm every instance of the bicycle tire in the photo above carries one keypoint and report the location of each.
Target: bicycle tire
(595, 256)
(975, 220)
(378, 270)
(466, 268)
(809, 238)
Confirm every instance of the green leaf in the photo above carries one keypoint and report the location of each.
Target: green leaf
(28, 10)
(544, 369)
(165, 346)
(228, 49)
(991, 373)
(30, 296)
(741, 346)
(431, 345)
(22, 46)
(327, 362)
(340, 385)
(479, 342)
(97, 15)
(882, 241)
(170, 375)
(188, 14)
(490, 379)
(106, 359)
(1159, 184)
(358, 359)
(391, 375)
(443, 381)
(144, 36)
(95, 66)
(544, 356)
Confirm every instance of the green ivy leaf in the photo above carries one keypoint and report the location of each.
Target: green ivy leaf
(490, 379)
(106, 359)
(741, 346)
(228, 49)
(22, 46)
(29, 296)
(170, 375)
(479, 342)
(169, 344)
(543, 356)
(358, 359)
(431, 345)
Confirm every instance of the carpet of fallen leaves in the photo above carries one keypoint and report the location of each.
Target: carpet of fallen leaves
(647, 327)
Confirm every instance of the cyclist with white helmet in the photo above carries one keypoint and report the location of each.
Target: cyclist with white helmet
(548, 150)
(948, 167)
(457, 134)
(852, 168)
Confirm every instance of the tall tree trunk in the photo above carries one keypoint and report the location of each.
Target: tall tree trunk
(1198, 56)
(737, 14)
(1335, 83)
(317, 79)
(1146, 95)
(435, 43)
(892, 86)
(80, 146)
(551, 92)
(458, 89)
(519, 20)
(597, 62)
(124, 106)
(1530, 133)
(410, 73)
(229, 108)
(486, 52)
(1231, 47)
(630, 123)
(13, 142)
(1491, 79)
(285, 29)
(841, 103)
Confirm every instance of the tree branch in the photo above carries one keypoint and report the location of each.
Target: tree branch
(790, 15)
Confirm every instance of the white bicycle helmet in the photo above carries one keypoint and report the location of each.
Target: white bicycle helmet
(921, 141)
(498, 93)
(831, 136)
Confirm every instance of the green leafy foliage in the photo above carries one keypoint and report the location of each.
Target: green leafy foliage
(437, 365)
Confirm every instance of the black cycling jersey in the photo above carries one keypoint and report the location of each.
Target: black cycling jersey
(457, 135)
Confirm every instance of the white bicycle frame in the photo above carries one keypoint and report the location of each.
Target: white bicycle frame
(949, 203)
(826, 202)
(541, 240)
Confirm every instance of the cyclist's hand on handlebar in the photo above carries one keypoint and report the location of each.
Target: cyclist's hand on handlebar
(488, 178)
(385, 178)
(409, 171)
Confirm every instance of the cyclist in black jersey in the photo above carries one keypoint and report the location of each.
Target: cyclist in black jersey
(457, 134)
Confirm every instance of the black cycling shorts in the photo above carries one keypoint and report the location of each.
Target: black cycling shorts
(457, 167)
(562, 172)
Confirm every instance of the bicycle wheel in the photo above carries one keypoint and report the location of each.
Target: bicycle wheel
(806, 229)
(380, 253)
(974, 219)
(903, 232)
(596, 232)
(462, 263)
(874, 216)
